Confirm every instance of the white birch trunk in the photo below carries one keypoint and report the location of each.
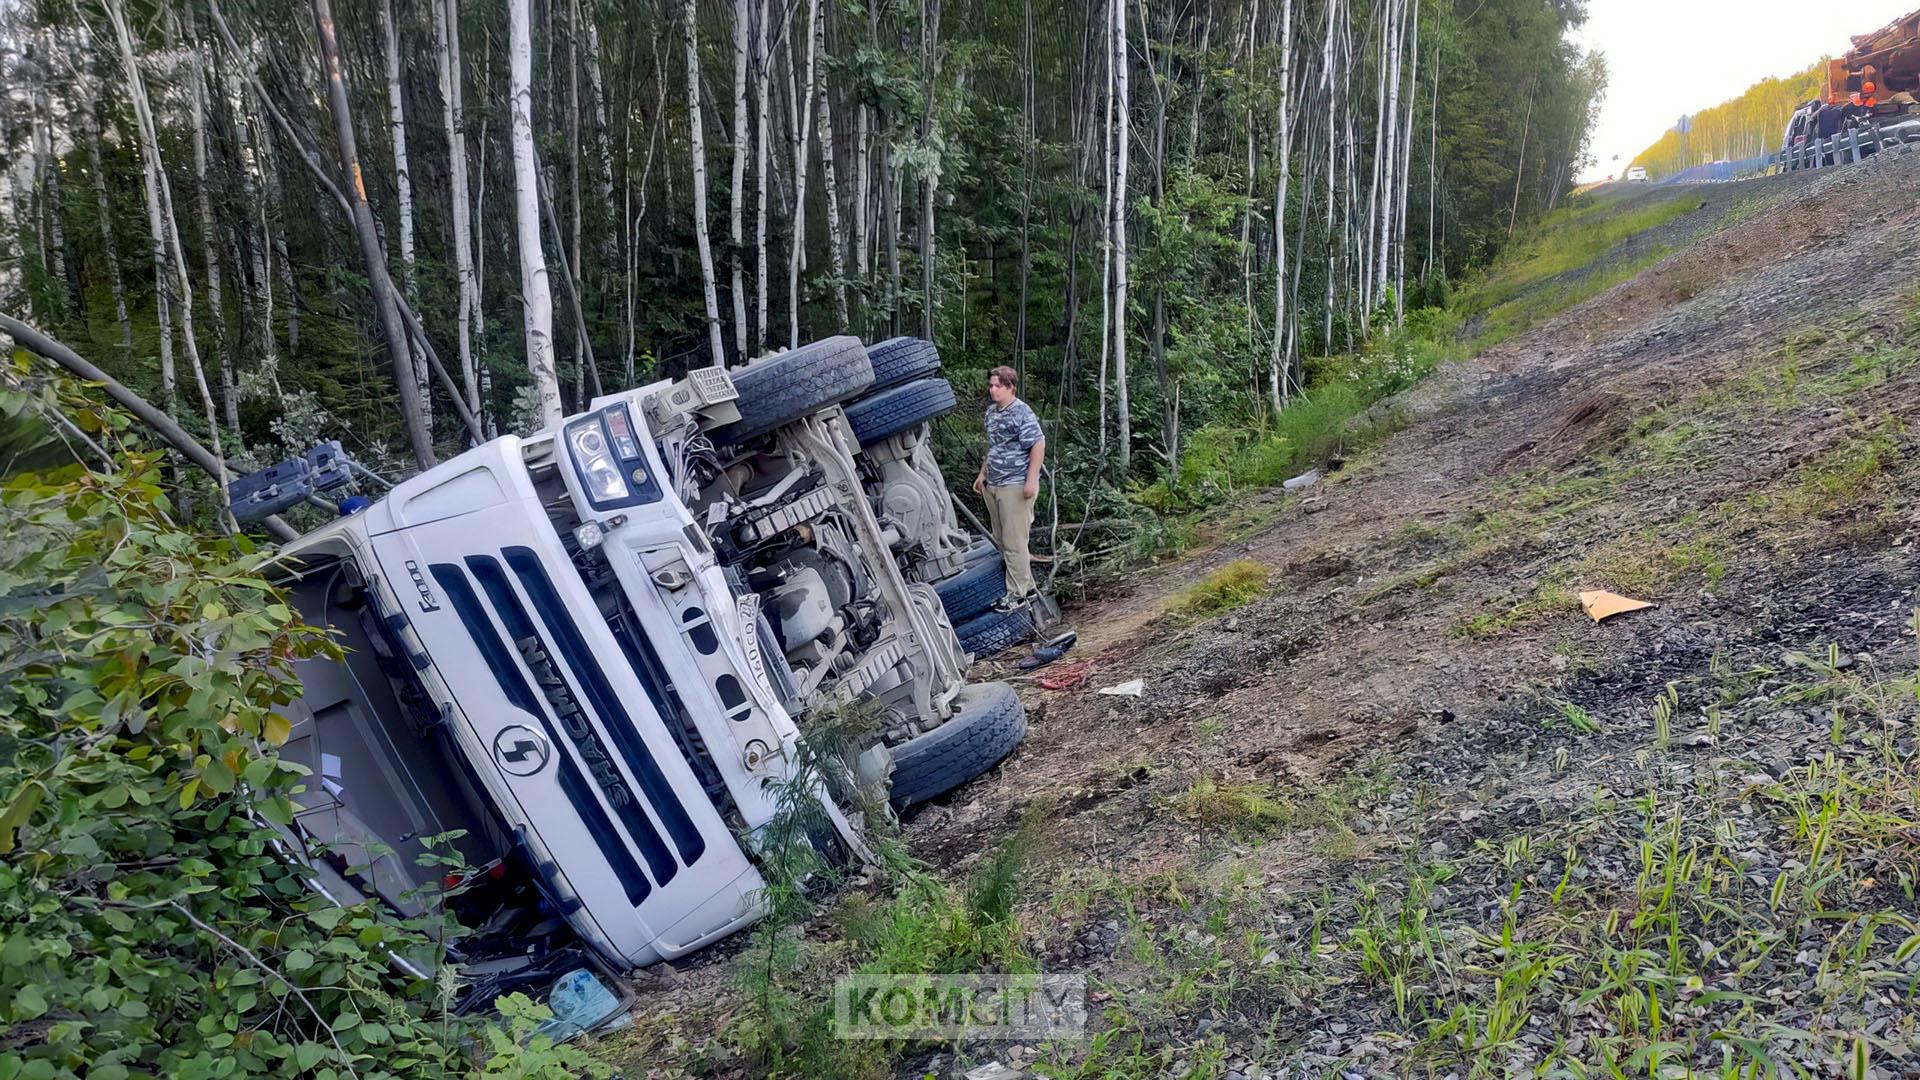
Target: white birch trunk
(1390, 167)
(172, 253)
(536, 291)
(47, 172)
(863, 181)
(836, 239)
(1123, 136)
(209, 241)
(446, 56)
(930, 183)
(397, 123)
(603, 132)
(763, 80)
(697, 147)
(1279, 363)
(156, 224)
(1106, 246)
(1406, 167)
(736, 206)
(803, 109)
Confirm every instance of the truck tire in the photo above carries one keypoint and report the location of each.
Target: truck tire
(879, 415)
(901, 360)
(990, 723)
(780, 389)
(988, 633)
(974, 588)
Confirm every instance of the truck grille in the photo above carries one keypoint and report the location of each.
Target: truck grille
(550, 657)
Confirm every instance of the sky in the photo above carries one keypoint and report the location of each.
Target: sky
(1669, 57)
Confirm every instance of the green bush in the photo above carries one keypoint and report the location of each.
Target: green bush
(147, 926)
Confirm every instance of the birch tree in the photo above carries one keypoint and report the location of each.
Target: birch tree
(930, 165)
(536, 290)
(736, 204)
(156, 222)
(172, 254)
(763, 80)
(1122, 138)
(697, 148)
(209, 242)
(397, 123)
(1279, 365)
(803, 115)
(446, 57)
(836, 240)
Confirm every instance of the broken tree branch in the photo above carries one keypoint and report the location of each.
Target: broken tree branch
(163, 425)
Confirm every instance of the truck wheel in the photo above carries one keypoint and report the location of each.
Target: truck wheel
(902, 359)
(974, 588)
(780, 389)
(889, 411)
(988, 633)
(990, 723)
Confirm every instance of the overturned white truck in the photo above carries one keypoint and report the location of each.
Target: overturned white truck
(586, 651)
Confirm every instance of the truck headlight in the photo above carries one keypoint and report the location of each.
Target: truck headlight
(593, 457)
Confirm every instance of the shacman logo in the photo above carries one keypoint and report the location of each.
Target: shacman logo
(521, 750)
(955, 1007)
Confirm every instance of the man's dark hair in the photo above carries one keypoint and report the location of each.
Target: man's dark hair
(1007, 377)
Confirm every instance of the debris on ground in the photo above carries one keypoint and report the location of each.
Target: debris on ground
(1305, 479)
(1047, 653)
(1603, 605)
(1130, 688)
(1067, 677)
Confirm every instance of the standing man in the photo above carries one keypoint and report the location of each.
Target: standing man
(1010, 478)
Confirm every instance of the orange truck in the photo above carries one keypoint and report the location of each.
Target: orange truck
(1882, 67)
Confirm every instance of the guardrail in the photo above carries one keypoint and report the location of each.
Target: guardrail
(1848, 147)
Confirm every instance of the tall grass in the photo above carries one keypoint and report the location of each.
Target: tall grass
(1228, 458)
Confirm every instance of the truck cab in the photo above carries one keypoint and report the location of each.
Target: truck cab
(577, 665)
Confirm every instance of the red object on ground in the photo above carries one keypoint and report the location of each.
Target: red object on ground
(1067, 676)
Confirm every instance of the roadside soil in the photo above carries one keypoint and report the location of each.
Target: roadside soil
(1417, 724)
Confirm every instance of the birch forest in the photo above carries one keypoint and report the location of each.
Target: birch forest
(414, 224)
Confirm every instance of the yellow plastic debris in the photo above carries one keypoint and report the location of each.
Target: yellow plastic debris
(1603, 605)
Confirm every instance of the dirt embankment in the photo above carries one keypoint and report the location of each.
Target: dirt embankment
(1412, 812)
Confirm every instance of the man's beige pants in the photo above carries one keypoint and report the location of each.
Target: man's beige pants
(1010, 513)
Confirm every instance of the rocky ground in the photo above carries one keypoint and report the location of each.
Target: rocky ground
(1411, 812)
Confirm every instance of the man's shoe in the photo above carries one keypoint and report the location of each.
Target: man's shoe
(1009, 602)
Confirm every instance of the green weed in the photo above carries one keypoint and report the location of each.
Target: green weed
(1234, 585)
(1572, 717)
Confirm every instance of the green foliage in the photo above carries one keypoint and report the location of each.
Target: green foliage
(1234, 585)
(148, 926)
(913, 924)
(1743, 127)
(523, 1052)
(1571, 256)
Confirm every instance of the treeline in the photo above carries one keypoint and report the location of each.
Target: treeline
(414, 223)
(1747, 126)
